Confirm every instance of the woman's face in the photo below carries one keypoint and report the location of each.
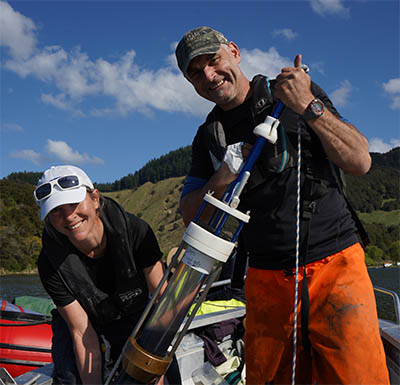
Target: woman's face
(77, 221)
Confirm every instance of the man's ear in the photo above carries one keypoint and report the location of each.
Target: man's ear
(235, 52)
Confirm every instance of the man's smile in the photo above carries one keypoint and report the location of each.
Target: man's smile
(215, 86)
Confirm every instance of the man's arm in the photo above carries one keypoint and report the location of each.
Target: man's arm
(86, 343)
(218, 183)
(342, 142)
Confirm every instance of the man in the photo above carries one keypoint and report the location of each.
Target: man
(340, 342)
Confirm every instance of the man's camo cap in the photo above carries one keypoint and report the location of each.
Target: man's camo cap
(198, 41)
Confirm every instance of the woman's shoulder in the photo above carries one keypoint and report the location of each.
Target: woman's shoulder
(112, 208)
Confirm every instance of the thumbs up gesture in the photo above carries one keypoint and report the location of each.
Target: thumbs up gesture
(292, 86)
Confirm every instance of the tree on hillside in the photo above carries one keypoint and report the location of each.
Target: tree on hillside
(21, 227)
(25, 177)
(394, 251)
(174, 164)
(388, 159)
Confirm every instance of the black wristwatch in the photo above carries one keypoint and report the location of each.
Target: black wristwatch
(314, 110)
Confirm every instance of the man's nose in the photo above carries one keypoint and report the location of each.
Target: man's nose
(209, 73)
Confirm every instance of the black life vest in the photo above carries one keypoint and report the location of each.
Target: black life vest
(275, 158)
(318, 171)
(131, 292)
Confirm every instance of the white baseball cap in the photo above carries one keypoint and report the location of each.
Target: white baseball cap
(60, 185)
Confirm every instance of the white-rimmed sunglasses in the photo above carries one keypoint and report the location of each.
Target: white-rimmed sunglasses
(68, 182)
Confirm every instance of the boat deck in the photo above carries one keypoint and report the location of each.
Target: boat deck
(390, 333)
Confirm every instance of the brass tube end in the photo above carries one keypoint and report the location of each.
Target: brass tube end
(141, 365)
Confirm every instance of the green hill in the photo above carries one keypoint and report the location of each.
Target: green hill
(379, 188)
(158, 205)
(374, 195)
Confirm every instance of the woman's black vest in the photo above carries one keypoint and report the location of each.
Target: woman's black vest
(130, 294)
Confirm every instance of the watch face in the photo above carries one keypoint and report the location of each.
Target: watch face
(317, 107)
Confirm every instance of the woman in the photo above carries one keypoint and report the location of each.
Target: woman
(99, 264)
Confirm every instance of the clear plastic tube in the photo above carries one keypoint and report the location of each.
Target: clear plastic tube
(169, 313)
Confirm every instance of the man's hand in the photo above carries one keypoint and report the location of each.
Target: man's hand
(218, 183)
(342, 142)
(246, 150)
(292, 87)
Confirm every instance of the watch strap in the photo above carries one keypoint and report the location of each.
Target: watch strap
(314, 110)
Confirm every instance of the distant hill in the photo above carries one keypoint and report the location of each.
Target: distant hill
(379, 188)
(174, 164)
(155, 198)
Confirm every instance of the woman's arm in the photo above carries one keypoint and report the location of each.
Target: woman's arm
(153, 275)
(85, 341)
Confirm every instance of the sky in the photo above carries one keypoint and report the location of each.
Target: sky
(95, 83)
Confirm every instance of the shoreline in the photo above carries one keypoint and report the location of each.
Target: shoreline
(35, 271)
(25, 272)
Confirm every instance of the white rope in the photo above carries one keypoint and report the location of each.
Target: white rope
(296, 300)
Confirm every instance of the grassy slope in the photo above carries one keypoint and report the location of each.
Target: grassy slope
(383, 217)
(158, 205)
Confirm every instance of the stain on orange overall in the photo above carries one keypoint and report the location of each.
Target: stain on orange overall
(346, 347)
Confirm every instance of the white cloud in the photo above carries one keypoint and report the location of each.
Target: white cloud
(329, 7)
(318, 67)
(269, 63)
(378, 145)
(135, 89)
(63, 152)
(29, 155)
(392, 88)
(11, 127)
(61, 102)
(17, 32)
(58, 101)
(76, 77)
(287, 33)
(58, 151)
(340, 96)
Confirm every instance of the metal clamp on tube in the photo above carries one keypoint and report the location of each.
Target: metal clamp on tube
(268, 129)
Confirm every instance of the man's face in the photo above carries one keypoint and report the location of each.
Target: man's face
(217, 77)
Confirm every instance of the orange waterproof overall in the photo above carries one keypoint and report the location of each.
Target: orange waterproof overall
(346, 347)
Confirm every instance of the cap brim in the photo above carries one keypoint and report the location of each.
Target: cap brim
(61, 197)
(208, 50)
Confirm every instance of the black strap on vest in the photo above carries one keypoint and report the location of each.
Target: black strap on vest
(338, 174)
(313, 189)
(240, 263)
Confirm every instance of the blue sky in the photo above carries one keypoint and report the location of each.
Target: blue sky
(95, 83)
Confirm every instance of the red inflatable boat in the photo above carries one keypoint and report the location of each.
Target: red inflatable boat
(25, 339)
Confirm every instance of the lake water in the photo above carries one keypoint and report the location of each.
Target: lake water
(18, 285)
